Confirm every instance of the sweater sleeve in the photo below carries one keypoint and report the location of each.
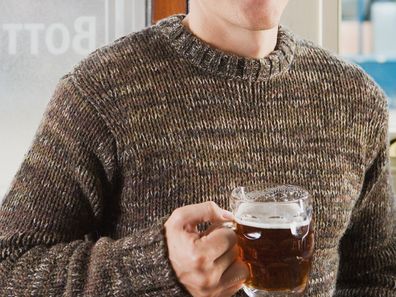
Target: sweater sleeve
(368, 247)
(59, 198)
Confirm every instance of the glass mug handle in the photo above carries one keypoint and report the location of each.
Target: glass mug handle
(229, 224)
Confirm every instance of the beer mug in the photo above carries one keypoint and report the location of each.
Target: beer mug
(275, 237)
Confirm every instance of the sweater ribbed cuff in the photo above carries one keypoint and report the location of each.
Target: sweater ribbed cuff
(153, 271)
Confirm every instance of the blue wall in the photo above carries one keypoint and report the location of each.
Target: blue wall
(384, 74)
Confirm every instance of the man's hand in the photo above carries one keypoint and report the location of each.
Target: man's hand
(207, 264)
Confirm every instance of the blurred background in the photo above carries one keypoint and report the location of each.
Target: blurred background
(368, 38)
(41, 40)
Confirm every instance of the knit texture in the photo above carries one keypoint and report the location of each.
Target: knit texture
(159, 119)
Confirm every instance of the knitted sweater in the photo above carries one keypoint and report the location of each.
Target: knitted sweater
(160, 119)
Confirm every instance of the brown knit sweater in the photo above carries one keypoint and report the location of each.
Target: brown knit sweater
(160, 119)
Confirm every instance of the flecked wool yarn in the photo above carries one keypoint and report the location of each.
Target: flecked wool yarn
(160, 119)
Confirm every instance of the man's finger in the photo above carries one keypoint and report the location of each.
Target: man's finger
(231, 290)
(216, 243)
(237, 273)
(193, 214)
(226, 260)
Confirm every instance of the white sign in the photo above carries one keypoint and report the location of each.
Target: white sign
(81, 38)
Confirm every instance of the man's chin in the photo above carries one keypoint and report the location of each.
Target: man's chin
(260, 26)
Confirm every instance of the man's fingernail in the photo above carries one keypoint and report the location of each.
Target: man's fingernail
(228, 214)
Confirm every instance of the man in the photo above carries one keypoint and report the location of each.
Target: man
(146, 138)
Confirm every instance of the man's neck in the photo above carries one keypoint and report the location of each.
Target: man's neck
(230, 38)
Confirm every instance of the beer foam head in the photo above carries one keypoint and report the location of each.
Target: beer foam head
(270, 193)
(271, 215)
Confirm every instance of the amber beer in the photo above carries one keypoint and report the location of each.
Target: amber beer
(275, 235)
(279, 257)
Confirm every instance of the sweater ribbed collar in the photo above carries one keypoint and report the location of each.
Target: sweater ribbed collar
(227, 64)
